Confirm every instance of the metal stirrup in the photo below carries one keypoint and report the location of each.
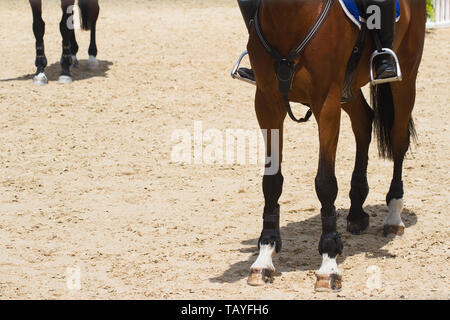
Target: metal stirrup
(377, 53)
(235, 74)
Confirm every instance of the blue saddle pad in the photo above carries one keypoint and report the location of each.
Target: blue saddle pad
(351, 10)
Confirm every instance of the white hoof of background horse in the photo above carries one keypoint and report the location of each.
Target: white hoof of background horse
(40, 79)
(93, 63)
(65, 80)
(262, 271)
(74, 61)
(329, 278)
(393, 223)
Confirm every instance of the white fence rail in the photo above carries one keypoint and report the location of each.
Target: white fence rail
(441, 14)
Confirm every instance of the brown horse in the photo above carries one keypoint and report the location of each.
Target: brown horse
(318, 82)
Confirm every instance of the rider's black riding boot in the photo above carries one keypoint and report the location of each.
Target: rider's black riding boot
(383, 63)
(248, 10)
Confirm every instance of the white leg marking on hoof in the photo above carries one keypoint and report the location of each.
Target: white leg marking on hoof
(394, 215)
(329, 266)
(264, 260)
(65, 80)
(40, 79)
(93, 63)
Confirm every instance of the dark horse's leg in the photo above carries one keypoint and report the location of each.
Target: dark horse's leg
(89, 16)
(66, 27)
(328, 114)
(39, 31)
(271, 116)
(73, 43)
(74, 48)
(361, 116)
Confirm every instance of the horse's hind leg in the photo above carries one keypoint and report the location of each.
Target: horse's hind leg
(330, 246)
(270, 119)
(65, 27)
(402, 126)
(361, 116)
(404, 94)
(39, 31)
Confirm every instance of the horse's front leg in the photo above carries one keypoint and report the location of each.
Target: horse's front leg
(330, 246)
(270, 117)
(66, 27)
(39, 31)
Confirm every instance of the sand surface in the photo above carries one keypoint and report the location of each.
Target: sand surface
(87, 181)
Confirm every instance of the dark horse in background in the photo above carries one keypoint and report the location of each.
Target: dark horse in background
(89, 15)
(318, 75)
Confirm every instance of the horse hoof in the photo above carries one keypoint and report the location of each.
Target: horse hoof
(359, 226)
(329, 282)
(93, 63)
(75, 61)
(395, 230)
(65, 80)
(259, 277)
(40, 79)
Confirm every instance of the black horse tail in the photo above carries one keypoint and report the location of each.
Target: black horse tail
(84, 14)
(384, 112)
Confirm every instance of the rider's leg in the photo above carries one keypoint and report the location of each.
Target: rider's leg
(383, 63)
(248, 10)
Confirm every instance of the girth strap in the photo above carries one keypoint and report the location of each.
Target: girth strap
(285, 66)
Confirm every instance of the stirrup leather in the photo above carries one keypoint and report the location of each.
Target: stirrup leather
(398, 77)
(235, 74)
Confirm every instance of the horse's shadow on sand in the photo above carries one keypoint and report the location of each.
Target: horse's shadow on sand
(301, 241)
(81, 72)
